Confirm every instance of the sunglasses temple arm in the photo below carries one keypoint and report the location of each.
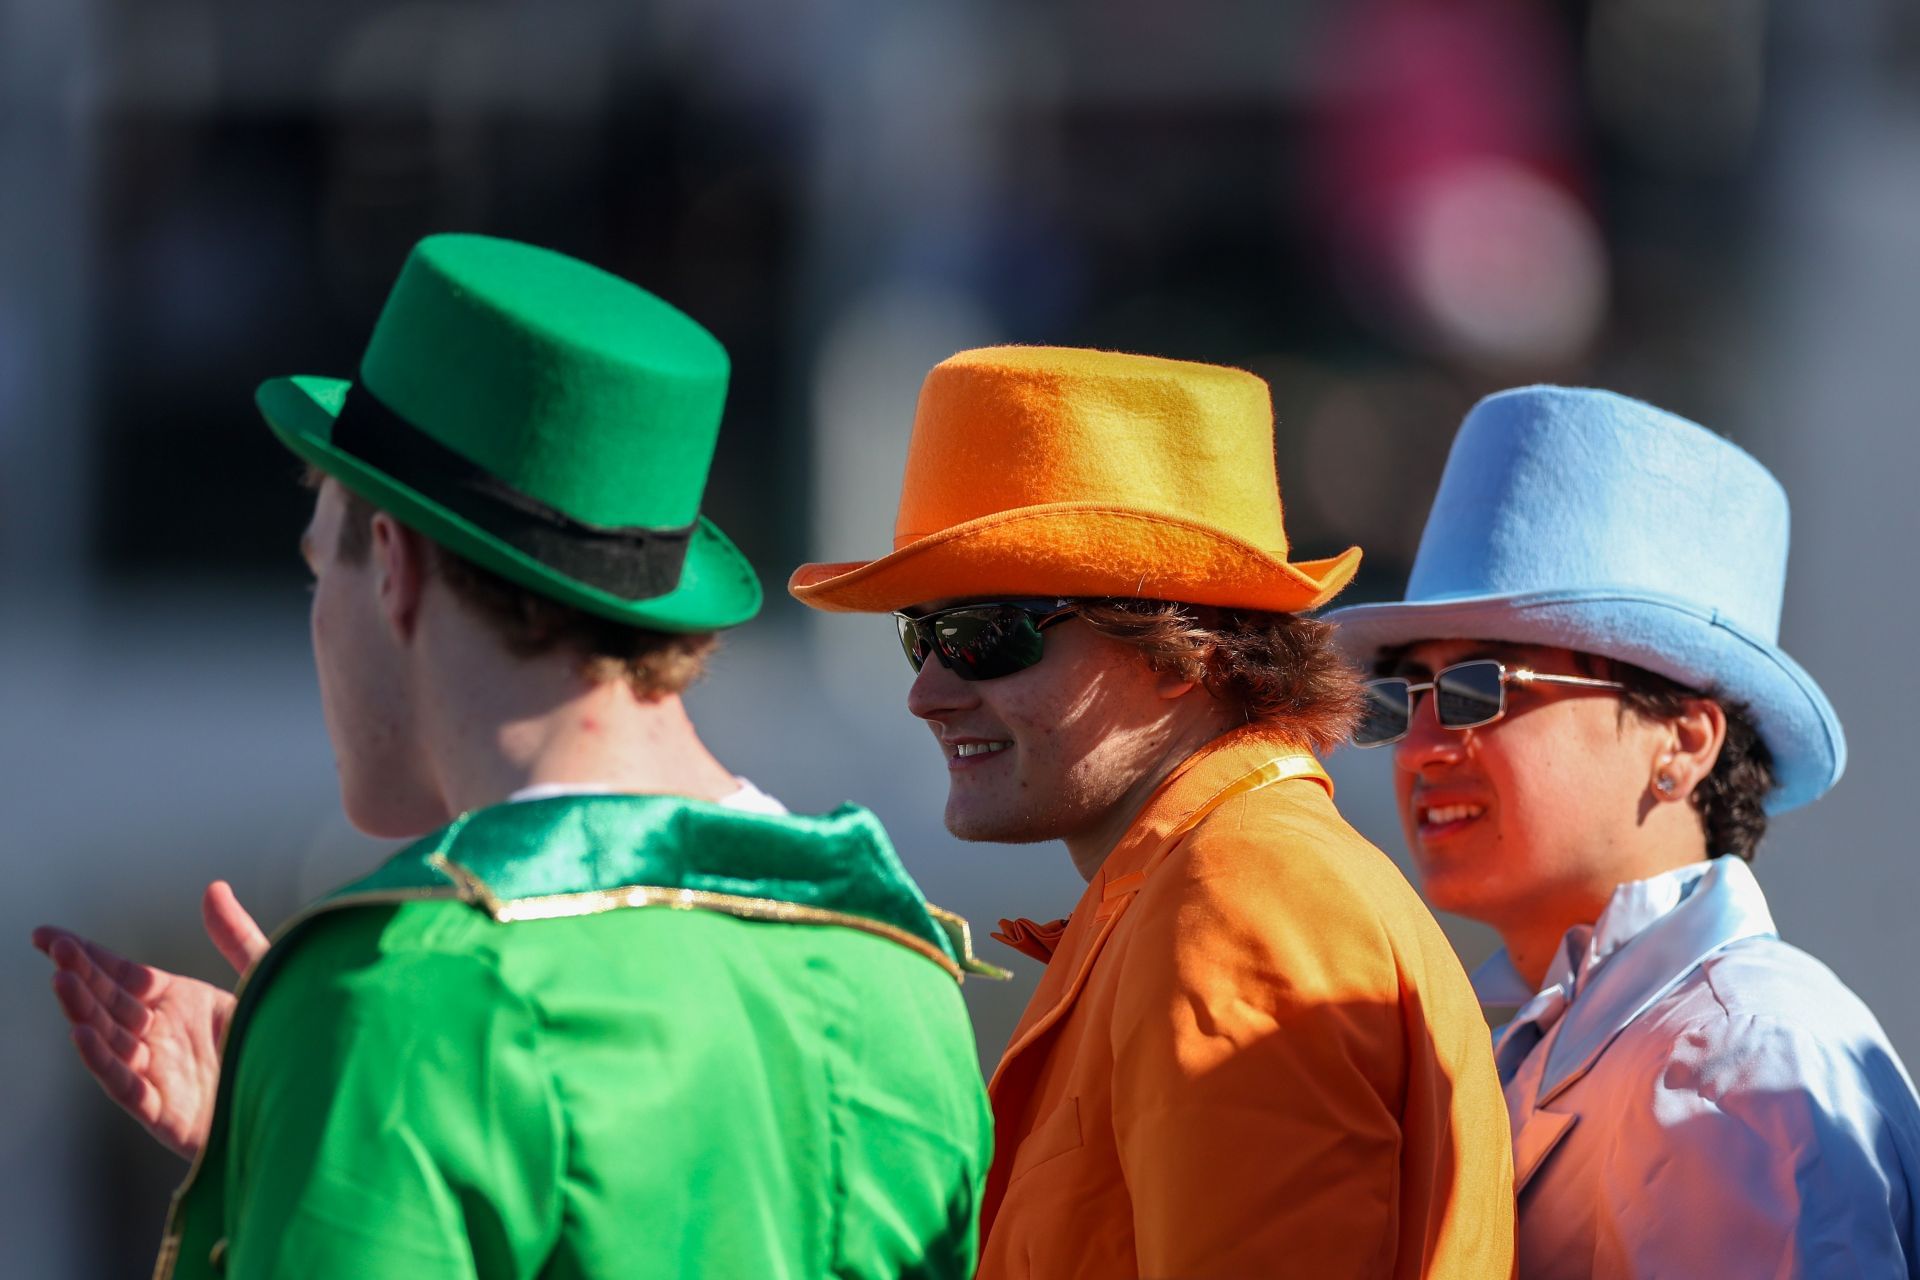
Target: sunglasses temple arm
(1585, 682)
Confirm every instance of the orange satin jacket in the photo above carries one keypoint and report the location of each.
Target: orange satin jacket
(1253, 1054)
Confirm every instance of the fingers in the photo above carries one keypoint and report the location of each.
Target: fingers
(82, 1010)
(77, 1002)
(54, 942)
(140, 979)
(135, 1093)
(117, 1003)
(122, 1083)
(230, 928)
(76, 986)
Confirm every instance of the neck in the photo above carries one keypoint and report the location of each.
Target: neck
(1090, 846)
(1532, 949)
(542, 724)
(1534, 939)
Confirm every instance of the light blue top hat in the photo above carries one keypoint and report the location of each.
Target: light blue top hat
(1587, 520)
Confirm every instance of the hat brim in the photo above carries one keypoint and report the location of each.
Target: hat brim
(718, 587)
(1670, 637)
(1077, 549)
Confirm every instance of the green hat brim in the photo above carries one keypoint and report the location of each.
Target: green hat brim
(718, 587)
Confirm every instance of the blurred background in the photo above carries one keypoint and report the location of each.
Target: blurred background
(1385, 207)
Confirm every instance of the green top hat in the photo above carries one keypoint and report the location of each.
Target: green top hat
(543, 419)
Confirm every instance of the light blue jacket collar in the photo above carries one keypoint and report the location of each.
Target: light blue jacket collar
(1651, 936)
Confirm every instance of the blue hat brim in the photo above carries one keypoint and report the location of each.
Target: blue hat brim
(1668, 636)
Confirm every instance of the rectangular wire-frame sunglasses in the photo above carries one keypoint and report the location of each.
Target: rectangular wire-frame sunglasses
(1466, 695)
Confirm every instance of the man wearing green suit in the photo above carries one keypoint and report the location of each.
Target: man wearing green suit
(615, 1013)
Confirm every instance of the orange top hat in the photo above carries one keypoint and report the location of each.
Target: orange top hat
(1064, 472)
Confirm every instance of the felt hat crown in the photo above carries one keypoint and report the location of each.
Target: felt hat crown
(1057, 471)
(542, 418)
(1590, 521)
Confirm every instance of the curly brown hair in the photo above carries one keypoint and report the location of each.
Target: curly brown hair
(1278, 669)
(654, 664)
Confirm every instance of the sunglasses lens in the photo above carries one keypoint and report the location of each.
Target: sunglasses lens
(911, 640)
(1386, 714)
(984, 644)
(1468, 694)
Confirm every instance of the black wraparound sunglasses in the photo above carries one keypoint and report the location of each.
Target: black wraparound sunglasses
(982, 641)
(1466, 695)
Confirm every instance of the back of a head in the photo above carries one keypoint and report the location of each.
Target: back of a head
(530, 625)
(547, 427)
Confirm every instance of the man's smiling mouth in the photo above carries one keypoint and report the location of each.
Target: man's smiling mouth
(972, 752)
(1444, 819)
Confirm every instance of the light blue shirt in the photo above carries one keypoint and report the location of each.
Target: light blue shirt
(1691, 1097)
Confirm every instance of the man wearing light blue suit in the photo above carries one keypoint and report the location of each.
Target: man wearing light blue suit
(1592, 722)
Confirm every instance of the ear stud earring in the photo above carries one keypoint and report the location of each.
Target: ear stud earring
(1665, 784)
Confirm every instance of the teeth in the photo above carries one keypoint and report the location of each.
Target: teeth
(965, 749)
(1451, 813)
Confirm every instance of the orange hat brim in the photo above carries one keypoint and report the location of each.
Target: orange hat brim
(1077, 549)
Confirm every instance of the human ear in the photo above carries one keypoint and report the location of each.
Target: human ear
(1689, 748)
(1173, 687)
(400, 566)
(1174, 684)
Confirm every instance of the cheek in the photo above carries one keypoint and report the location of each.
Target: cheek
(1403, 780)
(1527, 768)
(327, 625)
(1058, 745)
(1090, 756)
(1083, 723)
(1045, 748)
(1557, 780)
(345, 669)
(320, 632)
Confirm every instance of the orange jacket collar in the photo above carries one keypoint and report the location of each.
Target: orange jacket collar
(1231, 765)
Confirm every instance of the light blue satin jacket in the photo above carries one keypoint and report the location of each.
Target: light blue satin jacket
(1693, 1097)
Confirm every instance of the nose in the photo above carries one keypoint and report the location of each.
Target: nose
(1427, 746)
(937, 693)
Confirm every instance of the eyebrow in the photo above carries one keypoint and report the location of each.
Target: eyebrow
(1410, 669)
(306, 549)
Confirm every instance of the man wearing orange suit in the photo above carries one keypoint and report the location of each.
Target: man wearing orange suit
(1252, 1053)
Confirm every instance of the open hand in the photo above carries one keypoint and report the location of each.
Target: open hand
(152, 1038)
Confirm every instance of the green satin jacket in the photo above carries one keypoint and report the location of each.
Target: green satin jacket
(602, 1036)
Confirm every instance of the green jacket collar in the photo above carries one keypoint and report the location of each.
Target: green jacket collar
(576, 855)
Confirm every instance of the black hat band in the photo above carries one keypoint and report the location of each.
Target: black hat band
(633, 562)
